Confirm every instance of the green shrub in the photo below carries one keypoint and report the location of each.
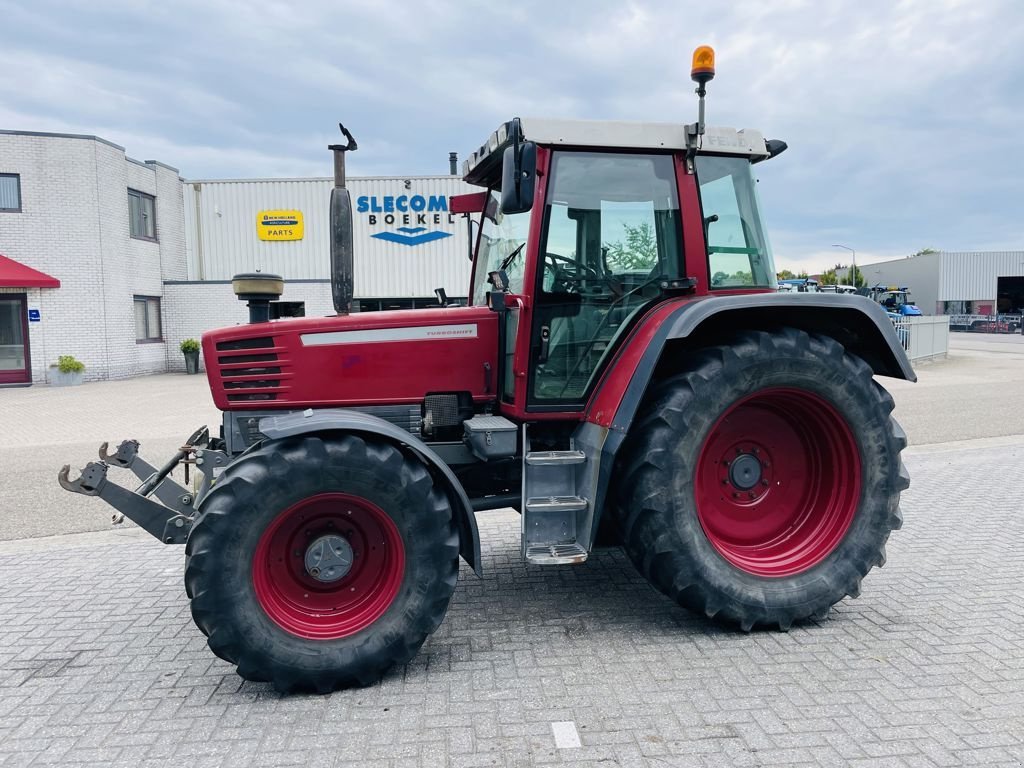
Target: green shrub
(68, 364)
(190, 345)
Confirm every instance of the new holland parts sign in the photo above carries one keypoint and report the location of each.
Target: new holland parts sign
(279, 225)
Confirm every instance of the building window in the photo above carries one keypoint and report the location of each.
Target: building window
(10, 193)
(147, 319)
(141, 215)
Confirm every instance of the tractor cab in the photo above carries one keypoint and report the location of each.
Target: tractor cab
(895, 300)
(586, 226)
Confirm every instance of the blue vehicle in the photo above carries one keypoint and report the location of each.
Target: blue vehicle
(896, 301)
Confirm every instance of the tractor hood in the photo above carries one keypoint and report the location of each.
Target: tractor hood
(372, 358)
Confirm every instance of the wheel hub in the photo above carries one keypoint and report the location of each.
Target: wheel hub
(329, 558)
(745, 471)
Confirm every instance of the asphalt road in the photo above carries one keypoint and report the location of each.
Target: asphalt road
(974, 394)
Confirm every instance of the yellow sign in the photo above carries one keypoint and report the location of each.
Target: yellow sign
(279, 225)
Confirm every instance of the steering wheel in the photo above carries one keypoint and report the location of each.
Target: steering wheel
(566, 279)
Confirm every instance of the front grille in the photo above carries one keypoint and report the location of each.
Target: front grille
(258, 343)
(245, 373)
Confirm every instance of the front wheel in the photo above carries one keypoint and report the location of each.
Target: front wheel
(760, 485)
(321, 562)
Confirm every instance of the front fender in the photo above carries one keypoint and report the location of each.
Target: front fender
(334, 420)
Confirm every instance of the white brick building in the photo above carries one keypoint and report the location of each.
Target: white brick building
(65, 207)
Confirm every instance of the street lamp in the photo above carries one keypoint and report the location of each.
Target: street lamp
(853, 272)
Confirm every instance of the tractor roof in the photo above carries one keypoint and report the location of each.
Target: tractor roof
(610, 134)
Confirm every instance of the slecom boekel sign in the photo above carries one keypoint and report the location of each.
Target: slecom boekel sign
(279, 225)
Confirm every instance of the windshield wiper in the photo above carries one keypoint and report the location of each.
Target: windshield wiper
(508, 259)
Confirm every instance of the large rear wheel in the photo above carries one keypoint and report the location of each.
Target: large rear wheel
(760, 485)
(321, 562)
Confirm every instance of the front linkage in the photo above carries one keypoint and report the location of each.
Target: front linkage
(169, 519)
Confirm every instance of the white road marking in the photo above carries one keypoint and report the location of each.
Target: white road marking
(566, 735)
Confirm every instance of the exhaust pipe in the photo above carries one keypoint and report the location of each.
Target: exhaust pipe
(453, 163)
(342, 286)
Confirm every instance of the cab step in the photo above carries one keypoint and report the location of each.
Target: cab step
(552, 507)
(555, 458)
(556, 554)
(556, 504)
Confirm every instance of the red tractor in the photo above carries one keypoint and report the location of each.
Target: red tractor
(625, 371)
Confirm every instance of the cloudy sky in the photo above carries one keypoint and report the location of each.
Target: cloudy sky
(904, 119)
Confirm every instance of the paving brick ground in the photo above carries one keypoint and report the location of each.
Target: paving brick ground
(100, 663)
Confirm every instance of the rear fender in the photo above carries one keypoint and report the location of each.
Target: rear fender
(661, 341)
(336, 420)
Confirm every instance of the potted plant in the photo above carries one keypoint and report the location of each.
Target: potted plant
(190, 348)
(67, 372)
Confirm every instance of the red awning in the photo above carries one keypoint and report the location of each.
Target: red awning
(14, 274)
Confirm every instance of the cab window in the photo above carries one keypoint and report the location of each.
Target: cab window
(502, 239)
(738, 252)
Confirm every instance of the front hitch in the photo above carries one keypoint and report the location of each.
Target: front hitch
(169, 521)
(88, 484)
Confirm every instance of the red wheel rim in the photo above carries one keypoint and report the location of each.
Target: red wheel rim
(305, 606)
(778, 482)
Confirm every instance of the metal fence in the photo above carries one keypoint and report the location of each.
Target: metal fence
(1001, 323)
(924, 338)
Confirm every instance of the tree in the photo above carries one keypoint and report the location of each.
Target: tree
(831, 276)
(639, 252)
(923, 252)
(788, 274)
(857, 278)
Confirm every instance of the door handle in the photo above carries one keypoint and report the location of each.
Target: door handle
(545, 340)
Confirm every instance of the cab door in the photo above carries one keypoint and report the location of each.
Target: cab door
(609, 234)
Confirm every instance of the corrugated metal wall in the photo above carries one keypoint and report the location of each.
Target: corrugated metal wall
(973, 275)
(919, 273)
(221, 236)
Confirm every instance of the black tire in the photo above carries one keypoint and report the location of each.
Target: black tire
(656, 499)
(261, 486)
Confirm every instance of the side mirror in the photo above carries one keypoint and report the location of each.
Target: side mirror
(519, 171)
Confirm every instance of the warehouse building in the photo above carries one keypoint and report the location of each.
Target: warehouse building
(957, 282)
(116, 261)
(406, 244)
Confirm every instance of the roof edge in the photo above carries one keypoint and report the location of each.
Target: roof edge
(48, 135)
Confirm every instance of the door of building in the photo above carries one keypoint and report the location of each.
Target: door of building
(14, 358)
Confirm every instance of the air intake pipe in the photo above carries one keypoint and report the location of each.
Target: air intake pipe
(342, 285)
(258, 289)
